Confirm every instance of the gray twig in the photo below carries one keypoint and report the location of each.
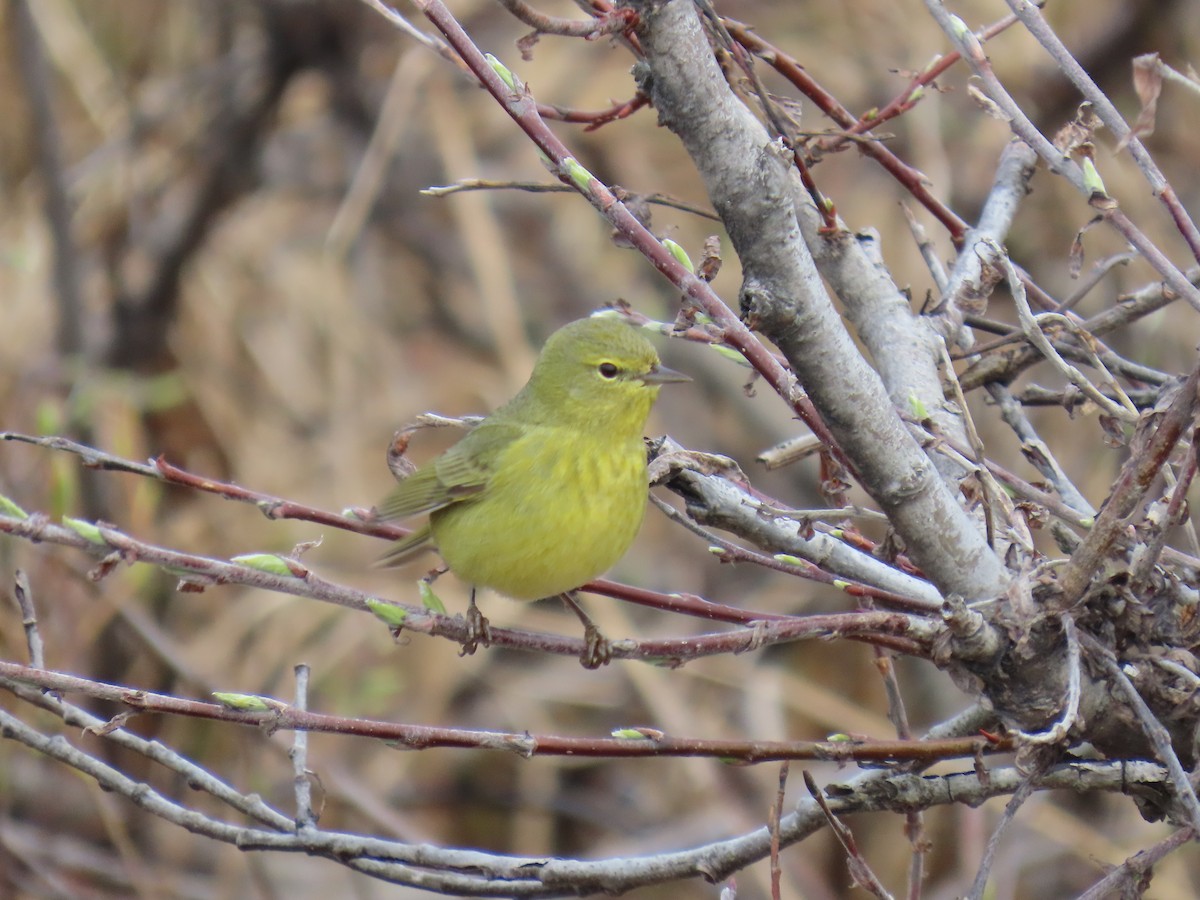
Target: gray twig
(1022, 793)
(860, 870)
(1152, 728)
(1059, 731)
(33, 638)
(1121, 881)
(299, 756)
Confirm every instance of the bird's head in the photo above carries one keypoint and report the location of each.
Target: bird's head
(600, 374)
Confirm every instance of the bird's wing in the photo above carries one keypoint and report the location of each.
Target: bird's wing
(458, 474)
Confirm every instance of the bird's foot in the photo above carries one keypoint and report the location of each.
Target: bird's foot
(597, 651)
(479, 630)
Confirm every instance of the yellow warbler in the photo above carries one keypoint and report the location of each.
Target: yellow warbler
(549, 491)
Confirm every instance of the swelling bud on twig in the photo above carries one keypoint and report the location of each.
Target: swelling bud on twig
(680, 255)
(391, 615)
(8, 508)
(85, 530)
(270, 563)
(242, 702)
(503, 71)
(579, 176)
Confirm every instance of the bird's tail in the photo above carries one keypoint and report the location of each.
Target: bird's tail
(407, 547)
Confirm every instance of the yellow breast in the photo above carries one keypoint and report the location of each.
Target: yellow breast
(570, 506)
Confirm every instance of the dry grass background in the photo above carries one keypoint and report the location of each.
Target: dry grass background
(291, 359)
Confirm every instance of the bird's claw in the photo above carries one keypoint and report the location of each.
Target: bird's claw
(597, 651)
(479, 631)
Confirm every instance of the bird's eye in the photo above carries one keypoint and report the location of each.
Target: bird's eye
(608, 370)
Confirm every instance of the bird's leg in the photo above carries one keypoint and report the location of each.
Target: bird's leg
(597, 651)
(479, 629)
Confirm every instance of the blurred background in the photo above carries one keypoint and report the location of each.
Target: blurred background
(257, 288)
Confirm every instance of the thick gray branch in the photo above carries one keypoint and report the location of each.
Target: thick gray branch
(754, 189)
(976, 271)
(718, 502)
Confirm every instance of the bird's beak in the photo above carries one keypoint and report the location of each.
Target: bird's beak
(662, 375)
